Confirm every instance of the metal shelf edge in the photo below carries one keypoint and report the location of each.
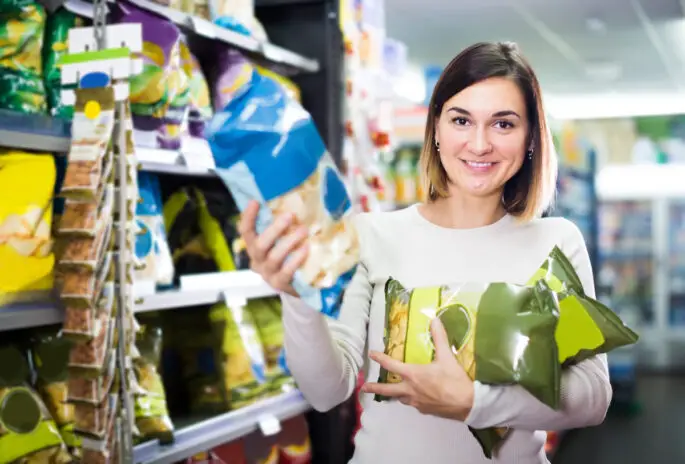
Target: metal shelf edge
(26, 315)
(211, 31)
(222, 429)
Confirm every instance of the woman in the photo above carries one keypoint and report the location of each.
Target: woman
(490, 171)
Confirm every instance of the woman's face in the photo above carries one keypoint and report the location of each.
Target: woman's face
(482, 132)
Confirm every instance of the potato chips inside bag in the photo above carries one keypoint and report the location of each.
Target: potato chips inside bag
(267, 148)
(26, 259)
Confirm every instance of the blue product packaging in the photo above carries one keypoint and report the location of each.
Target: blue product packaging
(151, 247)
(267, 148)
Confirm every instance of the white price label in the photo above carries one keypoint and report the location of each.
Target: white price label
(269, 425)
(203, 27)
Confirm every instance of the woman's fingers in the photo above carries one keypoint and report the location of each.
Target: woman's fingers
(285, 276)
(248, 220)
(280, 251)
(266, 240)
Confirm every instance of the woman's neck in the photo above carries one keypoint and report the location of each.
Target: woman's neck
(460, 212)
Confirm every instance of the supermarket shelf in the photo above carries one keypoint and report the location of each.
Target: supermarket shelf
(196, 290)
(24, 315)
(245, 43)
(225, 428)
(34, 132)
(170, 162)
(204, 289)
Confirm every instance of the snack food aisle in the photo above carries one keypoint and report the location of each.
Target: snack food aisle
(188, 261)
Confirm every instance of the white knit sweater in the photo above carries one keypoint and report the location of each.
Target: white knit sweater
(326, 356)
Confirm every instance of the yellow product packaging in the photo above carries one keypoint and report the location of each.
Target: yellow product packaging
(151, 412)
(28, 434)
(50, 356)
(26, 260)
(241, 359)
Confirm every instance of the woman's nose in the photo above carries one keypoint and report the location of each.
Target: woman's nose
(480, 143)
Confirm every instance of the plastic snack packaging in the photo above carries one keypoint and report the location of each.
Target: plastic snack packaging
(90, 162)
(232, 73)
(83, 324)
(266, 148)
(153, 90)
(152, 415)
(55, 47)
(200, 104)
(586, 327)
(26, 258)
(93, 390)
(22, 24)
(482, 321)
(290, 87)
(241, 358)
(85, 218)
(151, 246)
(50, 356)
(179, 86)
(28, 434)
(93, 420)
(266, 313)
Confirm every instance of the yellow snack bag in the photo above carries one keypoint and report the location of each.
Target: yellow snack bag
(26, 259)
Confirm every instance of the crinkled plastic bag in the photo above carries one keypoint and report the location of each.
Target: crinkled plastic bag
(26, 259)
(28, 434)
(586, 327)
(483, 322)
(266, 148)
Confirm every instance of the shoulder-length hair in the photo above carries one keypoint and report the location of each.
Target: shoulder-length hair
(531, 190)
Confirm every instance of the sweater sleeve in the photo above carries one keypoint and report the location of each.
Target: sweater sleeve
(585, 388)
(325, 355)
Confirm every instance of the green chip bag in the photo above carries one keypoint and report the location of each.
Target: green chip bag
(22, 24)
(482, 322)
(28, 434)
(586, 327)
(54, 48)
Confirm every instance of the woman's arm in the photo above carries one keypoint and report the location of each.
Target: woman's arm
(323, 354)
(585, 388)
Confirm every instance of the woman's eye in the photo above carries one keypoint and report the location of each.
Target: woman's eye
(460, 121)
(503, 125)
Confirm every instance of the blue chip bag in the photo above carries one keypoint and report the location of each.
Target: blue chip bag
(266, 148)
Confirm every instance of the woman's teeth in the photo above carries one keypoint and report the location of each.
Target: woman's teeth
(476, 164)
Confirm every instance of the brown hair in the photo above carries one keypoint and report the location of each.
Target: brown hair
(531, 190)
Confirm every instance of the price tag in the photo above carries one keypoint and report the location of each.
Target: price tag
(269, 425)
(203, 27)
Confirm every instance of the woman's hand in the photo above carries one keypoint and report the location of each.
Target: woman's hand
(269, 250)
(441, 388)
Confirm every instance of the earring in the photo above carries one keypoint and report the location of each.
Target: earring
(530, 154)
(437, 145)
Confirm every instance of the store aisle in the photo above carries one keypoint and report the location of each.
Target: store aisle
(652, 435)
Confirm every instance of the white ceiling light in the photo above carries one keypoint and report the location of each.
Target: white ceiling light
(411, 85)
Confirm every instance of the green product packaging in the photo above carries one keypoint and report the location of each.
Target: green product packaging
(28, 434)
(266, 313)
(22, 24)
(55, 46)
(151, 412)
(483, 323)
(241, 358)
(586, 326)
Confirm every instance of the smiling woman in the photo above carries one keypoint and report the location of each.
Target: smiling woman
(489, 168)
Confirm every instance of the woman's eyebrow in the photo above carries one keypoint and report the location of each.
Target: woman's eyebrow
(499, 114)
